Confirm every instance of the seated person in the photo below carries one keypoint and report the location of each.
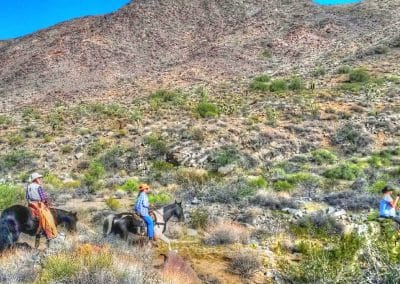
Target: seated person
(387, 206)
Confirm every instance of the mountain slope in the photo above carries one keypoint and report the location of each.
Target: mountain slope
(152, 43)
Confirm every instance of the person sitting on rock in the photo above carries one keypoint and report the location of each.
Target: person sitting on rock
(387, 206)
(142, 207)
(39, 204)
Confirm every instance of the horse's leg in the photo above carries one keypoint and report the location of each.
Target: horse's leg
(166, 240)
(37, 241)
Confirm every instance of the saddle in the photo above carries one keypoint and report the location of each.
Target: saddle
(139, 223)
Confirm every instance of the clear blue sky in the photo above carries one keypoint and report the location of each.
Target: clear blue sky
(22, 17)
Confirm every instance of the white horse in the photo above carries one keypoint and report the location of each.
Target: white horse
(124, 224)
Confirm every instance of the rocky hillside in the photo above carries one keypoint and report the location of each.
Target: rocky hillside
(148, 44)
(277, 123)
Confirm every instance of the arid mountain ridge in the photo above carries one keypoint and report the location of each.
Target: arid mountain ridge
(151, 44)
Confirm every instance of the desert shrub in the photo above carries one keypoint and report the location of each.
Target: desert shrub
(231, 192)
(10, 195)
(244, 263)
(162, 166)
(113, 203)
(135, 115)
(381, 49)
(18, 159)
(15, 139)
(352, 200)
(258, 182)
(112, 110)
(199, 218)
(192, 176)
(272, 115)
(131, 185)
(352, 138)
(295, 84)
(283, 185)
(378, 185)
(55, 119)
(278, 85)
(157, 144)
(336, 263)
(344, 69)
(274, 201)
(93, 175)
(160, 199)
(67, 149)
(323, 156)
(165, 98)
(4, 120)
(58, 267)
(359, 75)
(260, 83)
(30, 113)
(223, 156)
(53, 181)
(380, 160)
(317, 225)
(96, 147)
(266, 53)
(226, 233)
(207, 109)
(319, 71)
(345, 171)
(112, 159)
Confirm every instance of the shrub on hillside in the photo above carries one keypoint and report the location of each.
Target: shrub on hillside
(359, 75)
(207, 109)
(352, 200)
(93, 175)
(165, 98)
(199, 218)
(225, 234)
(273, 201)
(344, 69)
(113, 203)
(295, 84)
(192, 176)
(158, 146)
(160, 199)
(131, 185)
(323, 156)
(112, 159)
(244, 263)
(230, 193)
(10, 195)
(278, 85)
(223, 156)
(346, 171)
(16, 159)
(318, 225)
(352, 138)
(260, 83)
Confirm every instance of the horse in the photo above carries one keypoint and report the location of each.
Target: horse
(19, 219)
(123, 224)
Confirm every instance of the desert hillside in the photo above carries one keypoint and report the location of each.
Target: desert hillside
(276, 123)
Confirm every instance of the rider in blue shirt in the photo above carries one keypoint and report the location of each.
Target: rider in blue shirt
(142, 207)
(387, 206)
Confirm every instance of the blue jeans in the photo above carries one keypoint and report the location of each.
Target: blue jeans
(150, 226)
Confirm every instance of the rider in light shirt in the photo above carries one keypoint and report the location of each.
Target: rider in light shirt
(387, 206)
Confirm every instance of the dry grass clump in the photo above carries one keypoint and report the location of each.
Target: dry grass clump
(244, 263)
(17, 266)
(274, 201)
(227, 233)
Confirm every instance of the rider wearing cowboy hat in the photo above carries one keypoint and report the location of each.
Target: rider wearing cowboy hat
(142, 207)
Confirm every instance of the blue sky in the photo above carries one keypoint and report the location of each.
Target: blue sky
(22, 17)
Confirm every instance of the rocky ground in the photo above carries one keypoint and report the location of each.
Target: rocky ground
(279, 165)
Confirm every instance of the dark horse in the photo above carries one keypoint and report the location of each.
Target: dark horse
(18, 219)
(123, 224)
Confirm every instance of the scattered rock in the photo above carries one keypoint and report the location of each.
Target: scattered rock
(225, 170)
(78, 155)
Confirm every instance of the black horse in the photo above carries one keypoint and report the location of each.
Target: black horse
(18, 219)
(123, 224)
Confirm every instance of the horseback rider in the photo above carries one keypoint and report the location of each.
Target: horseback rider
(142, 208)
(38, 202)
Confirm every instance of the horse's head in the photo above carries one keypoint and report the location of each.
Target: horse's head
(67, 219)
(178, 212)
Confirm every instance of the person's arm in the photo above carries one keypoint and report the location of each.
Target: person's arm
(393, 204)
(146, 202)
(43, 195)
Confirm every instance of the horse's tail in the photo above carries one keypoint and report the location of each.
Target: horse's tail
(107, 225)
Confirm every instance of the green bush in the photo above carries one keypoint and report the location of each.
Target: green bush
(4, 120)
(258, 182)
(260, 83)
(223, 157)
(10, 195)
(199, 218)
(378, 185)
(18, 159)
(160, 199)
(67, 149)
(162, 166)
(344, 69)
(112, 159)
(58, 267)
(359, 75)
(113, 203)
(165, 98)
(334, 263)
(92, 176)
(346, 171)
(53, 181)
(96, 147)
(278, 85)
(283, 185)
(131, 185)
(319, 71)
(272, 116)
(323, 156)
(296, 84)
(380, 160)
(207, 109)
(157, 144)
(15, 139)
(31, 113)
